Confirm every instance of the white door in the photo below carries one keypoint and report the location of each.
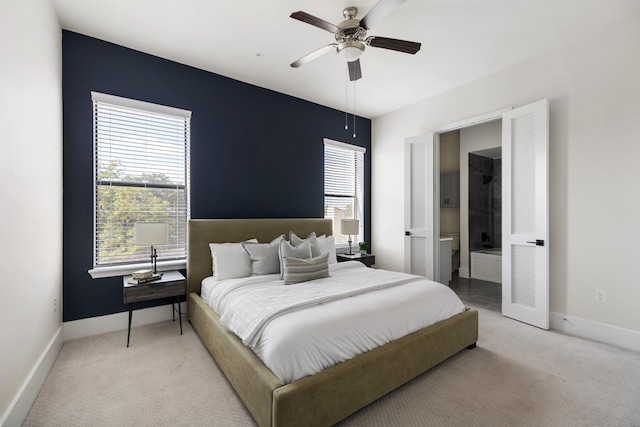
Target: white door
(422, 207)
(525, 214)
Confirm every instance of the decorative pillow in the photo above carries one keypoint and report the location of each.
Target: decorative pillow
(302, 251)
(295, 240)
(302, 270)
(230, 260)
(324, 244)
(264, 256)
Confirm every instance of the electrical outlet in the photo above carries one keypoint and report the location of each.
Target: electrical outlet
(601, 295)
(55, 304)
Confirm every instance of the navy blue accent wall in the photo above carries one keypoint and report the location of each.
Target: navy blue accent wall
(255, 153)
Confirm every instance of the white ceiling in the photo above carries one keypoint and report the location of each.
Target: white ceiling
(254, 41)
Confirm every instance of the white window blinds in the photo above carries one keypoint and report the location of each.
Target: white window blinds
(344, 186)
(141, 166)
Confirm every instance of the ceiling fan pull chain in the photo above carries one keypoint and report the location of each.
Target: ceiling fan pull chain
(346, 98)
(354, 109)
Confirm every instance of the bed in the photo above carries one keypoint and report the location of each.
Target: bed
(335, 393)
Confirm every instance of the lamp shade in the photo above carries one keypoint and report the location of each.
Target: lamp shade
(349, 226)
(151, 233)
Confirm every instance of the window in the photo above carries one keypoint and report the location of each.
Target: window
(141, 173)
(344, 186)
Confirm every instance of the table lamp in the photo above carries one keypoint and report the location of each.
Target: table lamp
(350, 227)
(149, 234)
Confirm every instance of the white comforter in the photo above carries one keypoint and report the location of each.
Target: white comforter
(353, 311)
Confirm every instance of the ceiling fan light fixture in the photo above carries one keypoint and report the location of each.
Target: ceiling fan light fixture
(350, 50)
(351, 35)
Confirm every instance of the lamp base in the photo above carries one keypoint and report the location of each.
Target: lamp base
(154, 256)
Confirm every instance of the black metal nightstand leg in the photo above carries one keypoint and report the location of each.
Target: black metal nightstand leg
(173, 308)
(130, 314)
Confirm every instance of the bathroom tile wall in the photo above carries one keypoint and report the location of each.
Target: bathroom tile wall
(497, 203)
(485, 202)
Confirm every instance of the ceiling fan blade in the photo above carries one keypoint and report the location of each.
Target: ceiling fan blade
(394, 44)
(313, 55)
(379, 12)
(316, 22)
(355, 73)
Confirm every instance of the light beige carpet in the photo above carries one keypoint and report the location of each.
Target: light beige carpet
(517, 376)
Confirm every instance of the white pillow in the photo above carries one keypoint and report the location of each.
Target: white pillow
(302, 251)
(302, 270)
(295, 240)
(264, 256)
(230, 260)
(324, 244)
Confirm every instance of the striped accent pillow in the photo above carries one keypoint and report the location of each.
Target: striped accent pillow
(302, 251)
(302, 270)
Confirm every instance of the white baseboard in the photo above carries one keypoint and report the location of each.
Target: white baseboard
(119, 321)
(625, 338)
(22, 402)
(464, 273)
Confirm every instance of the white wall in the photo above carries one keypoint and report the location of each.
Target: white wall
(31, 194)
(594, 99)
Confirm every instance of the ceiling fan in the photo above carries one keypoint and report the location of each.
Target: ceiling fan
(351, 36)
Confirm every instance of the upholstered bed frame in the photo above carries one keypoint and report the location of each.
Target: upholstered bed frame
(329, 396)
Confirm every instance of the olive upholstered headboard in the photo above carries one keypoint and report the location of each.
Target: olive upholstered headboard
(201, 232)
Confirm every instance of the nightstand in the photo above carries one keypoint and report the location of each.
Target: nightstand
(172, 284)
(366, 259)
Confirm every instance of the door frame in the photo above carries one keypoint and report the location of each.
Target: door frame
(461, 124)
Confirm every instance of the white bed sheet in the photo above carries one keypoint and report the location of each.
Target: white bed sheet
(306, 341)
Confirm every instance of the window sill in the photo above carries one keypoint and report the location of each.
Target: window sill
(123, 270)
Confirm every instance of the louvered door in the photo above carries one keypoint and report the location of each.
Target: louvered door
(422, 207)
(525, 215)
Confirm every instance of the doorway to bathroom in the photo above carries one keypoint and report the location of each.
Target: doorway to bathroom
(470, 213)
